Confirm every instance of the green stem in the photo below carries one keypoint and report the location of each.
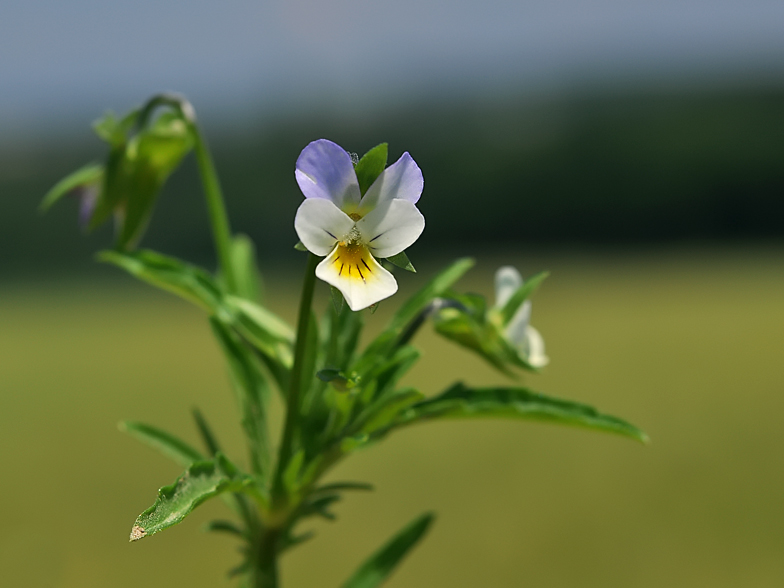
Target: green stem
(295, 381)
(221, 231)
(265, 574)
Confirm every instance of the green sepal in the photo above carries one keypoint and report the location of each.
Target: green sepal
(150, 158)
(166, 443)
(381, 564)
(89, 174)
(460, 401)
(401, 260)
(300, 246)
(114, 130)
(201, 481)
(246, 274)
(337, 299)
(521, 295)
(370, 166)
(170, 274)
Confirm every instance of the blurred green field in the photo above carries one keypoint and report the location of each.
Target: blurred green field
(686, 344)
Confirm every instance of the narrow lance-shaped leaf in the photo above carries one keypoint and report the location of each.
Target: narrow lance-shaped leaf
(170, 274)
(460, 401)
(433, 289)
(81, 177)
(243, 261)
(521, 295)
(379, 414)
(410, 310)
(252, 394)
(272, 336)
(377, 569)
(166, 443)
(206, 433)
(201, 481)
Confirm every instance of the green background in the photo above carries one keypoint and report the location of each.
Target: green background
(683, 341)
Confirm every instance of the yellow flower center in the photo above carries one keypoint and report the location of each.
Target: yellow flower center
(353, 260)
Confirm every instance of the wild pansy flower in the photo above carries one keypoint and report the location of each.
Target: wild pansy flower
(353, 230)
(525, 338)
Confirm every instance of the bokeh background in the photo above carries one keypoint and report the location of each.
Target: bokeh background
(635, 149)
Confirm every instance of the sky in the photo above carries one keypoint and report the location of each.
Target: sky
(69, 60)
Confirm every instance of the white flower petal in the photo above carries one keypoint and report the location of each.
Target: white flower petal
(354, 271)
(391, 227)
(320, 224)
(324, 170)
(536, 355)
(507, 281)
(403, 180)
(518, 327)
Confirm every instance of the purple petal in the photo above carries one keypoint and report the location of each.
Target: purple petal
(402, 180)
(88, 198)
(324, 170)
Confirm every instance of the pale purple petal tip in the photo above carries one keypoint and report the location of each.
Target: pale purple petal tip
(324, 170)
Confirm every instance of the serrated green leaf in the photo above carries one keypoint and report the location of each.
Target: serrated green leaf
(370, 166)
(460, 401)
(521, 295)
(170, 274)
(89, 174)
(246, 273)
(401, 260)
(201, 481)
(164, 442)
(377, 569)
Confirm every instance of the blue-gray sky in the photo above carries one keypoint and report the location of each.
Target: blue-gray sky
(73, 58)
